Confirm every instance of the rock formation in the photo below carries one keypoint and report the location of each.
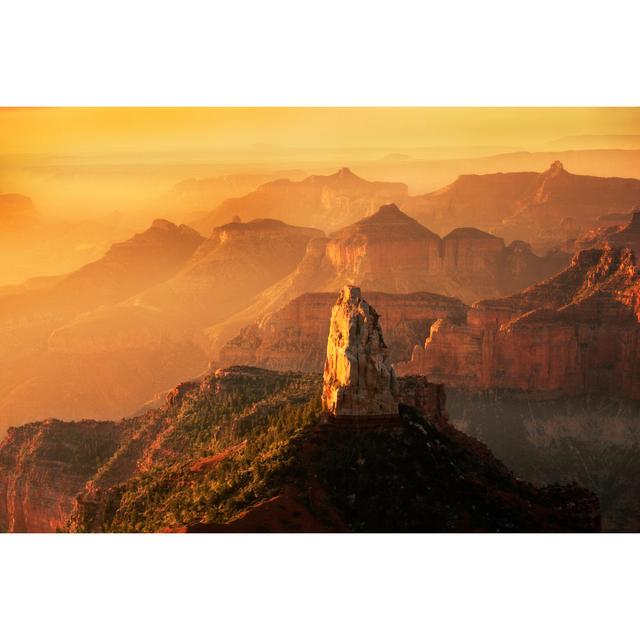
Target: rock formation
(358, 378)
(325, 202)
(575, 333)
(544, 209)
(627, 235)
(44, 466)
(614, 230)
(391, 252)
(294, 338)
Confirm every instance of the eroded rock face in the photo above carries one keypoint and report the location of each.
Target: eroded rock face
(43, 466)
(572, 334)
(391, 252)
(358, 377)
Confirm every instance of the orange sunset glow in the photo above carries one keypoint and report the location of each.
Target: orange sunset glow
(209, 317)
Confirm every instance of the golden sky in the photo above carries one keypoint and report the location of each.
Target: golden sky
(71, 131)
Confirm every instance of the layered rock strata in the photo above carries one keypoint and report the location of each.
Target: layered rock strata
(391, 252)
(575, 333)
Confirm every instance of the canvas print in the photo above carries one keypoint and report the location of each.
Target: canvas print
(290, 320)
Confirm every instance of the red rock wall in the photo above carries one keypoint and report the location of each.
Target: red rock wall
(44, 466)
(296, 336)
(576, 333)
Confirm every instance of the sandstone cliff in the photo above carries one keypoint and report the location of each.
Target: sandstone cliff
(390, 252)
(358, 376)
(44, 466)
(575, 333)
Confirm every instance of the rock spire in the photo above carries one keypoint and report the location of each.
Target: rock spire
(358, 376)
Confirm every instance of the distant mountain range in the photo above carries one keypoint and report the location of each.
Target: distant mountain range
(544, 209)
(326, 202)
(195, 196)
(33, 245)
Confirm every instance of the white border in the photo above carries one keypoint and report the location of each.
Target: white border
(334, 52)
(340, 586)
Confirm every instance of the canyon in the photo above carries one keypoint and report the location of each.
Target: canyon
(251, 450)
(104, 340)
(391, 252)
(575, 333)
(108, 337)
(591, 440)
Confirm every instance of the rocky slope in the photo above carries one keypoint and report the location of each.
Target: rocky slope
(127, 268)
(544, 209)
(44, 466)
(294, 338)
(236, 263)
(107, 338)
(325, 202)
(62, 355)
(575, 333)
(247, 449)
